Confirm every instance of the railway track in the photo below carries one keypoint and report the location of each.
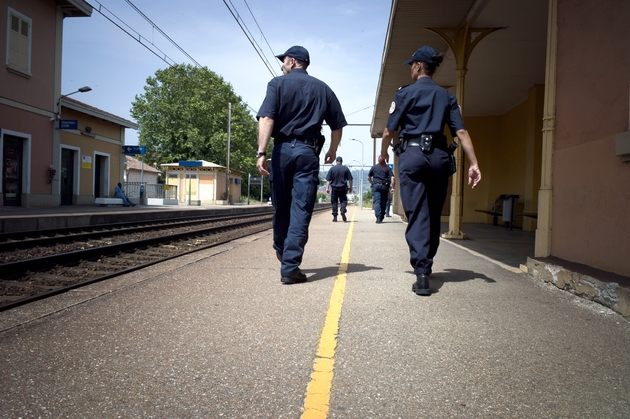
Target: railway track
(41, 264)
(74, 259)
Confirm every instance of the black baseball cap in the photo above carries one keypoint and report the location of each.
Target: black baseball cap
(339, 158)
(297, 52)
(424, 54)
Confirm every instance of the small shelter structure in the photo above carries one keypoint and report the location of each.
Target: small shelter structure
(201, 182)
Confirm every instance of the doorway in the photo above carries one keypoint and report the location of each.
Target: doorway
(12, 151)
(101, 176)
(67, 176)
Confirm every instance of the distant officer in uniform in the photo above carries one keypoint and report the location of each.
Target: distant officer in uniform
(293, 111)
(338, 182)
(382, 179)
(420, 111)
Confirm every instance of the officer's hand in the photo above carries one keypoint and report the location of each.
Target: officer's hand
(328, 191)
(474, 175)
(385, 157)
(261, 165)
(330, 157)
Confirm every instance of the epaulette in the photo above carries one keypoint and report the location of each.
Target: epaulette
(402, 87)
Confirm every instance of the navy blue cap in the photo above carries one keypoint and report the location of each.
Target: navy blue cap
(297, 52)
(424, 54)
(339, 158)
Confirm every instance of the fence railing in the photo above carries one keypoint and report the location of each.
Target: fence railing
(151, 190)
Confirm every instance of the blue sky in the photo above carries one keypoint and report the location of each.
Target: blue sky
(345, 40)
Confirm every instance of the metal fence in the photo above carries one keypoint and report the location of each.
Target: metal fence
(151, 190)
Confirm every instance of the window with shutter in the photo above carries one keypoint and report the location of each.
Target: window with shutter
(19, 35)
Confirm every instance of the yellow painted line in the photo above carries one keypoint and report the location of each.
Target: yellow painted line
(317, 398)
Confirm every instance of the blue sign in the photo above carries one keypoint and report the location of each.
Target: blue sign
(255, 181)
(190, 163)
(134, 149)
(68, 124)
(391, 166)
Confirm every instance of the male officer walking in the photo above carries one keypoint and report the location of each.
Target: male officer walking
(293, 111)
(337, 187)
(382, 179)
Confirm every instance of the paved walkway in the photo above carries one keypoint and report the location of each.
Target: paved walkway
(215, 334)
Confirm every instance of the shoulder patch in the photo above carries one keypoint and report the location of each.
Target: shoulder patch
(392, 108)
(402, 87)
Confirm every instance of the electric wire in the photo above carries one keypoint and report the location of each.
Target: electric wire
(139, 37)
(162, 32)
(269, 67)
(261, 31)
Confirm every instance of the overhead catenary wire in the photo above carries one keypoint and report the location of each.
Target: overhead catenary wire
(163, 34)
(249, 38)
(168, 60)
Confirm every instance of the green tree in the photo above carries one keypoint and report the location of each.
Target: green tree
(183, 114)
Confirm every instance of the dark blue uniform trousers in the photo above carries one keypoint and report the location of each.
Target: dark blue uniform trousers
(294, 180)
(339, 197)
(423, 186)
(380, 192)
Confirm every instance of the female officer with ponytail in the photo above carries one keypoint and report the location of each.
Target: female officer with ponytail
(419, 113)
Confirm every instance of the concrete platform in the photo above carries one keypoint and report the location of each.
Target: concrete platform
(215, 334)
(17, 219)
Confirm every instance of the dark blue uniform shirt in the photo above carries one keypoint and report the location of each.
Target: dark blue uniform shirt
(381, 174)
(299, 104)
(338, 175)
(417, 109)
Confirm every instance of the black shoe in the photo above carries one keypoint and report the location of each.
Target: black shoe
(334, 218)
(379, 220)
(279, 255)
(421, 286)
(296, 277)
(343, 217)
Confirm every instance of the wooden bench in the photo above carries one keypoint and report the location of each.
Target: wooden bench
(528, 214)
(105, 202)
(497, 210)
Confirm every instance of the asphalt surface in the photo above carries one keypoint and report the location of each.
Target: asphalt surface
(216, 335)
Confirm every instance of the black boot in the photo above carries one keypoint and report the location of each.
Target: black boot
(334, 218)
(343, 217)
(421, 286)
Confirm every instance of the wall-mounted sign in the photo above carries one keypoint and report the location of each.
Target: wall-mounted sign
(68, 124)
(86, 162)
(190, 163)
(134, 149)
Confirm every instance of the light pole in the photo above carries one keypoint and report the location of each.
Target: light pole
(360, 184)
(56, 138)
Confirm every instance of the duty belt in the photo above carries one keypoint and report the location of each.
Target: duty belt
(308, 141)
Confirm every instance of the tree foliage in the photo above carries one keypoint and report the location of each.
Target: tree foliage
(183, 115)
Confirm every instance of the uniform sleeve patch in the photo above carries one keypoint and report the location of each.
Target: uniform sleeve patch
(392, 108)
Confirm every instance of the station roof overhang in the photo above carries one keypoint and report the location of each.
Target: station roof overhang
(75, 8)
(501, 68)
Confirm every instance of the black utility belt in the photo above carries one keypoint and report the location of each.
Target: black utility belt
(386, 184)
(426, 142)
(308, 141)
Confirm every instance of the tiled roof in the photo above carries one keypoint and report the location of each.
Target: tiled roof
(135, 164)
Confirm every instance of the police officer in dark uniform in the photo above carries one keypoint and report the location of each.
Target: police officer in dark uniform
(420, 111)
(381, 178)
(338, 181)
(293, 111)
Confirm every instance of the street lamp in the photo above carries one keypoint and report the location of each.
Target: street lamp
(81, 90)
(360, 184)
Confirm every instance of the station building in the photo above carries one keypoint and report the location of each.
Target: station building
(54, 150)
(544, 88)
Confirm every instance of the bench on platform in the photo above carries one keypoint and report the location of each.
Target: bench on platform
(528, 214)
(504, 206)
(496, 210)
(108, 201)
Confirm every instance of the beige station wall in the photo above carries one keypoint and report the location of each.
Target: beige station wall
(508, 148)
(591, 185)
